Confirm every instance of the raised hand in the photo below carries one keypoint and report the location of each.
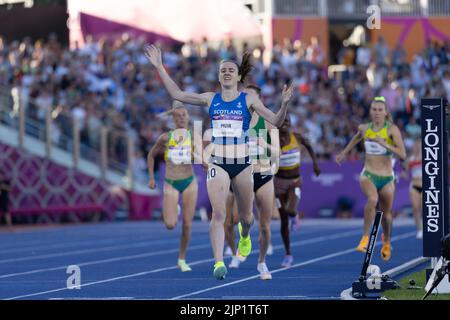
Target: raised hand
(287, 93)
(153, 54)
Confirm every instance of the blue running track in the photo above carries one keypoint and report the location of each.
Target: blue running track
(137, 260)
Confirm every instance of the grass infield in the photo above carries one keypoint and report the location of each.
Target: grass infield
(407, 292)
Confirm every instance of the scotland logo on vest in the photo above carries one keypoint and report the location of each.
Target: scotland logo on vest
(229, 120)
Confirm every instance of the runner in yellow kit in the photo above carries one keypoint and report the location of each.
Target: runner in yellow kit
(180, 179)
(288, 181)
(382, 139)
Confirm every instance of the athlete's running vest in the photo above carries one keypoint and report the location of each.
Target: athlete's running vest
(290, 156)
(179, 153)
(229, 120)
(374, 148)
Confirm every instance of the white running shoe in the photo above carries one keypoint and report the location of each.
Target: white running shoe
(264, 273)
(241, 258)
(287, 261)
(184, 267)
(235, 262)
(269, 250)
(228, 252)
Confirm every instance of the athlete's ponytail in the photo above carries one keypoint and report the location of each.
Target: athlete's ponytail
(246, 66)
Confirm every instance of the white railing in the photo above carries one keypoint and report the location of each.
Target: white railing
(59, 129)
(438, 7)
(402, 8)
(297, 7)
(351, 9)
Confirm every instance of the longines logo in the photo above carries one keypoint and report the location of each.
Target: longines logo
(431, 167)
(431, 107)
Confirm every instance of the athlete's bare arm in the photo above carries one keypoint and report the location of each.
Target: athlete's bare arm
(276, 119)
(311, 152)
(153, 54)
(355, 140)
(157, 148)
(398, 148)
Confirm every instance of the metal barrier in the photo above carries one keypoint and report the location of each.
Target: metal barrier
(357, 8)
(296, 7)
(438, 7)
(57, 127)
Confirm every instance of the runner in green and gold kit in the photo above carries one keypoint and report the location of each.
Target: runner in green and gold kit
(179, 151)
(382, 139)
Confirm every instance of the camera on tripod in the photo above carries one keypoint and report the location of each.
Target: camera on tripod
(442, 268)
(446, 247)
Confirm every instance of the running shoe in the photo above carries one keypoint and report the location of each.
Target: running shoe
(184, 267)
(240, 257)
(228, 252)
(419, 234)
(245, 244)
(291, 223)
(269, 250)
(220, 270)
(235, 262)
(264, 273)
(287, 261)
(297, 221)
(362, 246)
(386, 251)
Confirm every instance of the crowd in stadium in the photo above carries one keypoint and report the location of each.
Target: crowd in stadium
(111, 83)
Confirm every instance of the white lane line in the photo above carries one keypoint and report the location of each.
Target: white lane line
(94, 262)
(311, 261)
(295, 244)
(77, 243)
(336, 254)
(85, 233)
(108, 280)
(258, 297)
(40, 247)
(162, 252)
(406, 266)
(148, 243)
(95, 298)
(109, 239)
(197, 228)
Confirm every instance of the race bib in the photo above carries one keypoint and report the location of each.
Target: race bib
(228, 127)
(180, 155)
(290, 159)
(374, 148)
